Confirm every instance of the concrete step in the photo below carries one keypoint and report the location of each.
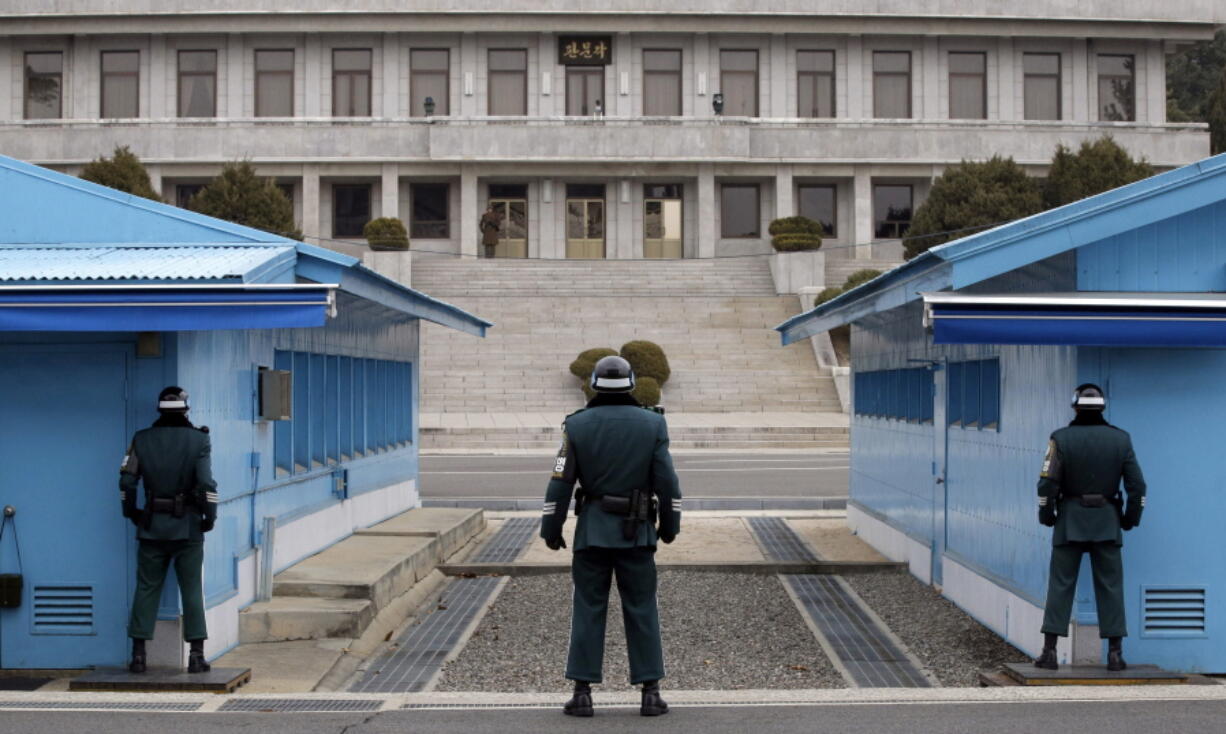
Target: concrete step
(304, 618)
(452, 529)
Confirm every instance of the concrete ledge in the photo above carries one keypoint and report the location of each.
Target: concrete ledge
(691, 503)
(304, 618)
(452, 525)
(839, 568)
(378, 568)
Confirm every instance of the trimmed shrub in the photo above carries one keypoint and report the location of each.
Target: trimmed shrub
(827, 294)
(1096, 167)
(386, 233)
(647, 359)
(795, 234)
(646, 391)
(122, 171)
(241, 196)
(860, 277)
(586, 361)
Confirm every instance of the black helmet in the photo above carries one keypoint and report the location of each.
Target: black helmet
(612, 374)
(1089, 397)
(172, 399)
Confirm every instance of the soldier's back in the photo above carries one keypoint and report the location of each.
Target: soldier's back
(614, 445)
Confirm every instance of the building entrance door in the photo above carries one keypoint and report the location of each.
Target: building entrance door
(662, 221)
(584, 90)
(513, 237)
(585, 229)
(63, 430)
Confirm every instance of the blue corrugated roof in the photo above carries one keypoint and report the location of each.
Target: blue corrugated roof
(105, 263)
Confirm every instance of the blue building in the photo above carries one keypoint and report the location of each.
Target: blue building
(104, 299)
(965, 359)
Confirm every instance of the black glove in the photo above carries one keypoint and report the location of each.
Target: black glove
(555, 543)
(1047, 516)
(1127, 523)
(668, 537)
(136, 519)
(206, 525)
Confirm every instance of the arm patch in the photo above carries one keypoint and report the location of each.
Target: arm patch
(1051, 462)
(565, 467)
(131, 464)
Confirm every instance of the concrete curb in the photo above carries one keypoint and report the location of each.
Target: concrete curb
(508, 504)
(837, 568)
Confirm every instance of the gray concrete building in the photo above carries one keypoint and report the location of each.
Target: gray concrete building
(615, 128)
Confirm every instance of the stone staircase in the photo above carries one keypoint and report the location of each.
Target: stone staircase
(837, 269)
(713, 318)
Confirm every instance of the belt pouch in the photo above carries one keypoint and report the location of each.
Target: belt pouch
(615, 505)
(180, 505)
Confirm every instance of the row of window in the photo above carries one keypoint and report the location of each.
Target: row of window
(429, 84)
(973, 399)
(344, 408)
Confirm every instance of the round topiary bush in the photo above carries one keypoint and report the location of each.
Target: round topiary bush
(859, 278)
(647, 359)
(795, 234)
(386, 233)
(586, 361)
(646, 391)
(827, 294)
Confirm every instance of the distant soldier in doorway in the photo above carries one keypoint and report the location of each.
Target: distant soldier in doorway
(1079, 495)
(491, 227)
(172, 460)
(618, 452)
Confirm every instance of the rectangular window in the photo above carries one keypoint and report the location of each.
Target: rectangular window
(974, 394)
(989, 391)
(429, 218)
(283, 431)
(1117, 92)
(1041, 86)
(44, 85)
(662, 82)
(968, 86)
(892, 84)
(891, 210)
(302, 412)
(738, 82)
(350, 209)
(274, 83)
(197, 84)
(345, 402)
(903, 395)
(970, 394)
(360, 442)
(351, 82)
(120, 84)
(508, 81)
(429, 81)
(740, 215)
(332, 409)
(817, 202)
(585, 90)
(815, 83)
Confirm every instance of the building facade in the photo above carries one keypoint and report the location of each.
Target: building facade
(623, 129)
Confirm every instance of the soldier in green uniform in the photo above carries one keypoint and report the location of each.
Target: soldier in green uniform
(618, 452)
(1079, 495)
(171, 458)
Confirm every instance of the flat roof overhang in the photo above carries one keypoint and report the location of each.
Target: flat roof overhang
(1078, 319)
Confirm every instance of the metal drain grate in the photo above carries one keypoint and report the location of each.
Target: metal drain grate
(621, 705)
(300, 705)
(508, 542)
(424, 647)
(100, 705)
(863, 648)
(779, 541)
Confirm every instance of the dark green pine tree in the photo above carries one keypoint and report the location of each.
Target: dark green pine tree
(1217, 117)
(1096, 167)
(239, 195)
(122, 171)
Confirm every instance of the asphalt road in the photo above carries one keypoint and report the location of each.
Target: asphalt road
(804, 475)
(1117, 717)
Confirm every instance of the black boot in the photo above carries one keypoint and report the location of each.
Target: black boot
(195, 658)
(1115, 655)
(138, 657)
(1047, 658)
(580, 704)
(653, 705)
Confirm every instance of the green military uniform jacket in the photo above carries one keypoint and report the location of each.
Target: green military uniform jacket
(171, 460)
(612, 447)
(1090, 459)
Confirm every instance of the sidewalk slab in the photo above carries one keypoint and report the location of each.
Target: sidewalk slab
(833, 540)
(453, 527)
(285, 667)
(304, 618)
(378, 568)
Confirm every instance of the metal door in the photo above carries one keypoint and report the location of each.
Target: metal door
(513, 236)
(585, 229)
(662, 228)
(63, 431)
(584, 90)
(940, 474)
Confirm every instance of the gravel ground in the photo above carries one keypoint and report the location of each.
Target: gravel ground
(720, 632)
(944, 638)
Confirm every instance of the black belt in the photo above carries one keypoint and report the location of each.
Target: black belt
(1094, 500)
(176, 505)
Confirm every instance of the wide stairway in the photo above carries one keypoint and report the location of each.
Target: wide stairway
(732, 385)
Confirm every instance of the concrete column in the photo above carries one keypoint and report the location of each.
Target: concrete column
(236, 77)
(626, 233)
(707, 214)
(311, 203)
(544, 219)
(785, 203)
(312, 83)
(1082, 82)
(615, 102)
(704, 85)
(163, 93)
(1155, 86)
(390, 191)
(778, 78)
(392, 83)
(855, 79)
(469, 65)
(84, 102)
(469, 216)
(155, 180)
(552, 91)
(928, 104)
(10, 96)
(862, 231)
(1006, 82)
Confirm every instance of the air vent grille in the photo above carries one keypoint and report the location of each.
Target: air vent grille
(63, 610)
(1173, 611)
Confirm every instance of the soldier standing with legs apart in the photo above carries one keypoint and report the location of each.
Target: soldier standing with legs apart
(491, 228)
(171, 459)
(1079, 495)
(618, 452)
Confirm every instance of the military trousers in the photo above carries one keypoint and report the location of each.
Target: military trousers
(1107, 565)
(592, 572)
(153, 559)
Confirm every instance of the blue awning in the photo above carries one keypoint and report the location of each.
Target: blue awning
(164, 308)
(1081, 319)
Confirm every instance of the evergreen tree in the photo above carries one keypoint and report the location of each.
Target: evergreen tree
(1191, 77)
(972, 195)
(122, 171)
(1217, 117)
(238, 195)
(1096, 167)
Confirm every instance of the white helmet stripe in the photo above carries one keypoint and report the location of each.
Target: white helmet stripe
(1090, 401)
(609, 382)
(171, 404)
